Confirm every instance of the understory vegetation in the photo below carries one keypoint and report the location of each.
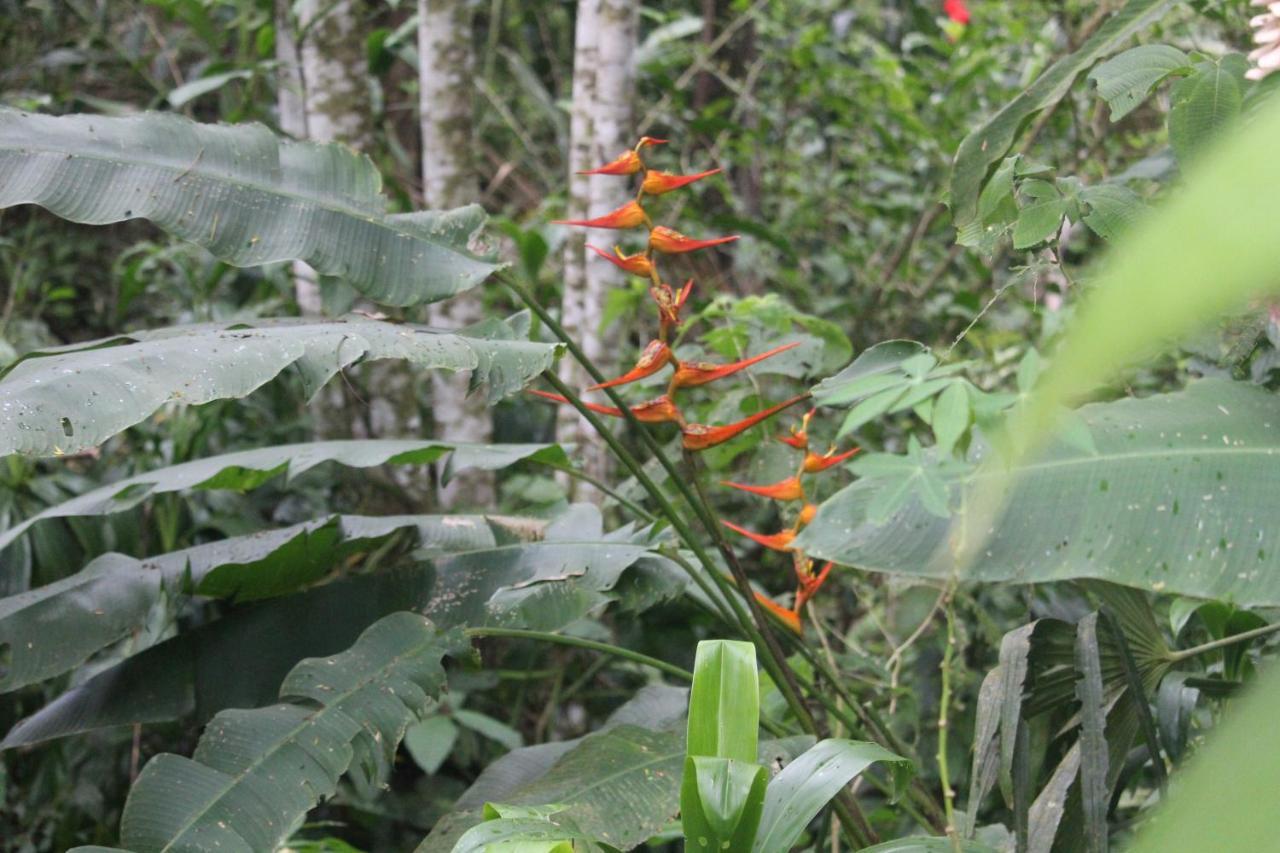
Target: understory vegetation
(596, 425)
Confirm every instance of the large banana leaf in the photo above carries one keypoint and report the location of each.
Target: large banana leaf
(620, 785)
(69, 399)
(243, 194)
(545, 585)
(256, 773)
(56, 627)
(1177, 493)
(249, 469)
(988, 144)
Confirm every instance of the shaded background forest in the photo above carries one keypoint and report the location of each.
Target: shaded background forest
(835, 124)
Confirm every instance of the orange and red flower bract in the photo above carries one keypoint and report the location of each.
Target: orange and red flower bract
(668, 241)
(635, 264)
(659, 410)
(658, 353)
(692, 373)
(701, 436)
(657, 183)
(798, 440)
(810, 584)
(655, 356)
(813, 463)
(669, 304)
(780, 541)
(630, 215)
(790, 618)
(626, 163)
(789, 489)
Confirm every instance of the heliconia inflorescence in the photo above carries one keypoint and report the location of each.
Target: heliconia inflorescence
(790, 490)
(658, 354)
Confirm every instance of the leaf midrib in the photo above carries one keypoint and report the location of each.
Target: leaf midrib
(382, 221)
(292, 734)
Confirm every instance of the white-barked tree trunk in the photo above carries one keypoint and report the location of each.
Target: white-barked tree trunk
(600, 127)
(446, 65)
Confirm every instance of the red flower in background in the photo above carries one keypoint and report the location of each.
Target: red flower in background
(956, 11)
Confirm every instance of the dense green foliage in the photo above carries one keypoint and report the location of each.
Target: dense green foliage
(1026, 264)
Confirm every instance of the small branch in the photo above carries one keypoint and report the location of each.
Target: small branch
(578, 642)
(1242, 637)
(944, 703)
(634, 508)
(919, 229)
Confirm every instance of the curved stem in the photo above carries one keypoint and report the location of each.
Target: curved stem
(578, 642)
(637, 470)
(944, 725)
(631, 507)
(1243, 637)
(761, 632)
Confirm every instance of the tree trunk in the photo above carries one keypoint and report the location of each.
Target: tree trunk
(612, 129)
(335, 94)
(335, 73)
(289, 85)
(446, 65)
(600, 127)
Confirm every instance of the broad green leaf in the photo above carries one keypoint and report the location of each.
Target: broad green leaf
(1041, 217)
(1126, 80)
(243, 194)
(724, 702)
(799, 792)
(950, 416)
(488, 727)
(1110, 209)
(526, 835)
(1174, 499)
(1205, 104)
(721, 801)
(988, 145)
(249, 469)
(201, 671)
(193, 89)
(1095, 792)
(55, 627)
(982, 772)
(256, 773)
(545, 586)
(619, 787)
(1213, 803)
(517, 776)
(1151, 290)
(883, 362)
(430, 741)
(73, 398)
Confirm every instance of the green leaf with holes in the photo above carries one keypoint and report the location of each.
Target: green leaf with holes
(256, 773)
(243, 194)
(73, 398)
(1174, 494)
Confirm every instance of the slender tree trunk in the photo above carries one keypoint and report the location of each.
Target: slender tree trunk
(612, 128)
(323, 93)
(599, 128)
(446, 65)
(335, 72)
(289, 86)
